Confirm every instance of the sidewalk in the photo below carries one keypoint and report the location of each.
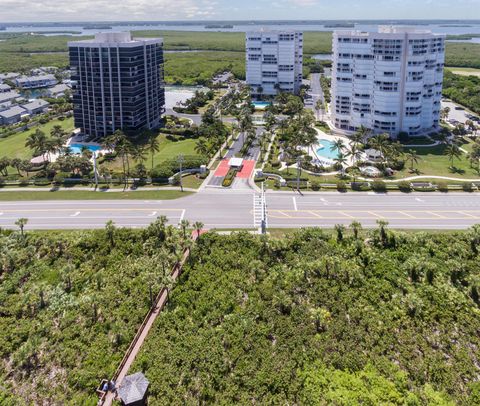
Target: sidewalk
(90, 189)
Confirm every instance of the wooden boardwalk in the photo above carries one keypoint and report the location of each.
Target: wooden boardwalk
(142, 333)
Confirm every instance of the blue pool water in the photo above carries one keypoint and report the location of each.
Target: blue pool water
(77, 148)
(325, 149)
(260, 105)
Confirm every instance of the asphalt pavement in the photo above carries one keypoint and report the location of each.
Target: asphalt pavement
(232, 209)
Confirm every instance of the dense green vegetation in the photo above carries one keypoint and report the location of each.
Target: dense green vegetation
(70, 304)
(462, 54)
(220, 51)
(350, 318)
(199, 67)
(463, 89)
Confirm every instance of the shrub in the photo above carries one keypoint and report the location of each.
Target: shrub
(404, 186)
(442, 186)
(276, 163)
(467, 187)
(41, 182)
(315, 185)
(162, 171)
(59, 178)
(379, 185)
(341, 186)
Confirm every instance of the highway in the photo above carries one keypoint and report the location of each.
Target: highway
(232, 209)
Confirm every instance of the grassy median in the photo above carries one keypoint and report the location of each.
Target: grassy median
(87, 195)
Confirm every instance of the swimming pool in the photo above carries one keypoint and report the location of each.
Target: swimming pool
(260, 105)
(77, 148)
(325, 149)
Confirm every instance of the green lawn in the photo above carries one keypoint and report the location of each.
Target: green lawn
(435, 162)
(14, 146)
(86, 195)
(170, 149)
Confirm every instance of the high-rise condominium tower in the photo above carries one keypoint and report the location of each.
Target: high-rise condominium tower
(388, 81)
(274, 62)
(118, 83)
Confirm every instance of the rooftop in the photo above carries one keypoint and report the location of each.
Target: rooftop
(35, 104)
(24, 79)
(115, 38)
(12, 112)
(6, 96)
(58, 88)
(133, 388)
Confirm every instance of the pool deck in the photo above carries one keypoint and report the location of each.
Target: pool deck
(332, 138)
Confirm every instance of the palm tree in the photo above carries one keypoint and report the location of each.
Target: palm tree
(338, 145)
(356, 226)
(198, 225)
(201, 146)
(341, 160)
(110, 232)
(413, 158)
(382, 226)
(340, 229)
(354, 152)
(445, 112)
(453, 152)
(319, 106)
(153, 145)
(37, 143)
(21, 223)
(138, 154)
(184, 225)
(58, 132)
(17, 164)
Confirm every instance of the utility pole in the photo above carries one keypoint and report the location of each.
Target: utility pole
(299, 171)
(180, 161)
(264, 212)
(95, 171)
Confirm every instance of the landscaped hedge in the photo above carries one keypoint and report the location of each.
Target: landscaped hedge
(170, 167)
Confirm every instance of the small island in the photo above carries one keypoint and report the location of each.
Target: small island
(98, 27)
(340, 25)
(217, 26)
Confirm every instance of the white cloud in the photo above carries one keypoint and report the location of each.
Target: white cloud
(102, 10)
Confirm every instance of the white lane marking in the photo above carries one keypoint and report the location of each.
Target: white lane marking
(419, 200)
(295, 203)
(181, 216)
(152, 214)
(76, 214)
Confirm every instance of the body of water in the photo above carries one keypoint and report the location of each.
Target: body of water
(325, 149)
(453, 28)
(77, 148)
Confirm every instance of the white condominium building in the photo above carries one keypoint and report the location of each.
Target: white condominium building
(274, 62)
(388, 81)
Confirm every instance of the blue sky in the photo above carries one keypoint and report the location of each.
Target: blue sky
(96, 10)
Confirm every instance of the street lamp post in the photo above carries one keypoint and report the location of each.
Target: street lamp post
(299, 171)
(180, 161)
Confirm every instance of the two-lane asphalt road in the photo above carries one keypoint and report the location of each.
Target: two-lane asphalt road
(234, 209)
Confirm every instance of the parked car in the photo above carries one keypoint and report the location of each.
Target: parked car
(459, 108)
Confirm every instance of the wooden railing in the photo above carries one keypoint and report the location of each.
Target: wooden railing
(106, 398)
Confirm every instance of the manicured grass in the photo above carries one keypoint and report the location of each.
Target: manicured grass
(86, 195)
(14, 146)
(435, 162)
(170, 149)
